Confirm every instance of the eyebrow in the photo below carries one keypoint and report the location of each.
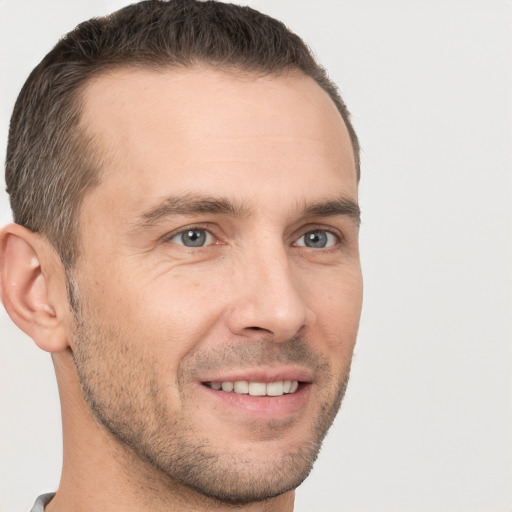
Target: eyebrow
(192, 204)
(197, 204)
(328, 208)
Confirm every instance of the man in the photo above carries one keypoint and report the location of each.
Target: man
(183, 178)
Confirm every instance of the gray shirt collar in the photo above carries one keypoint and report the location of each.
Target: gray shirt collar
(42, 501)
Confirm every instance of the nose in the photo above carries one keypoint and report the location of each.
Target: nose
(269, 298)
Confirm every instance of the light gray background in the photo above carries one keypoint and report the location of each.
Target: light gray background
(426, 425)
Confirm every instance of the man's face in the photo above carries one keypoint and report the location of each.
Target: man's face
(219, 251)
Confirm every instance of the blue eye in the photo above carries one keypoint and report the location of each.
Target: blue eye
(193, 238)
(317, 239)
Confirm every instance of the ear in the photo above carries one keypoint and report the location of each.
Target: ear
(33, 287)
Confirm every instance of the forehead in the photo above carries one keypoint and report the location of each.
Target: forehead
(166, 131)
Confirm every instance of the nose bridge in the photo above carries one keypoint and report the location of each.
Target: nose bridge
(269, 297)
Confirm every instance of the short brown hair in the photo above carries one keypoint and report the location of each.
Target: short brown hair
(50, 161)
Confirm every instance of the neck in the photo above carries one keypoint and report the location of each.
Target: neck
(102, 475)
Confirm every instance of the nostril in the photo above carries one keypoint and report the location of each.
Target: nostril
(255, 328)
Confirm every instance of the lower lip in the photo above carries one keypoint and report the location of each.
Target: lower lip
(265, 407)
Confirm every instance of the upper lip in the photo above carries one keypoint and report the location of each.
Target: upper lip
(261, 375)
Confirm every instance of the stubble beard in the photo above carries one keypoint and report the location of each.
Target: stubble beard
(125, 394)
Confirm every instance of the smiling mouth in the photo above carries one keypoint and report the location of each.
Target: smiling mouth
(277, 388)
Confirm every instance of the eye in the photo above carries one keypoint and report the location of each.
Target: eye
(194, 237)
(317, 239)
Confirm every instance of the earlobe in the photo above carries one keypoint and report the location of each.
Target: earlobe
(26, 275)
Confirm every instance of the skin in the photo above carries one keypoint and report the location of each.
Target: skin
(154, 320)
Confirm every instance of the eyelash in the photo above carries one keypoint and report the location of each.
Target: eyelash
(328, 233)
(169, 238)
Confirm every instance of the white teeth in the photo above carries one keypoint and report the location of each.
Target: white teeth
(257, 389)
(275, 388)
(227, 386)
(243, 387)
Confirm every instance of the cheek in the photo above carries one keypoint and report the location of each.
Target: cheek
(337, 307)
(170, 315)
